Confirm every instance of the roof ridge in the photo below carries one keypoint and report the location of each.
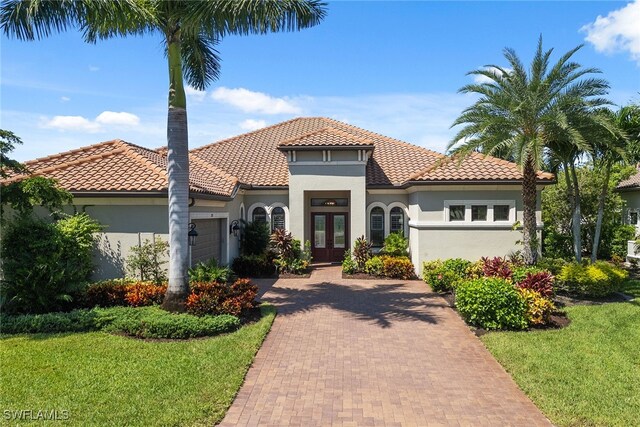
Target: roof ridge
(207, 165)
(386, 138)
(65, 165)
(275, 125)
(144, 160)
(75, 150)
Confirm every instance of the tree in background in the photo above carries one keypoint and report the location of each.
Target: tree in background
(521, 112)
(190, 32)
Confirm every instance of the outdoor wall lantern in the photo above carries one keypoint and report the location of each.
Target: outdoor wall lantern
(192, 234)
(234, 228)
(330, 202)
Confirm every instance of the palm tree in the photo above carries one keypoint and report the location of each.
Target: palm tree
(520, 112)
(190, 31)
(623, 126)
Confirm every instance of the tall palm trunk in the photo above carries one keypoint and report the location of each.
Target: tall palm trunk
(529, 199)
(603, 197)
(178, 171)
(577, 216)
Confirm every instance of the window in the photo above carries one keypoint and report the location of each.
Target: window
(456, 212)
(397, 220)
(376, 226)
(633, 217)
(259, 215)
(330, 202)
(501, 212)
(277, 219)
(478, 212)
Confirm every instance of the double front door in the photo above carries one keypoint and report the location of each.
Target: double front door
(330, 237)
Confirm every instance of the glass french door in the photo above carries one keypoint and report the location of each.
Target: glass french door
(329, 236)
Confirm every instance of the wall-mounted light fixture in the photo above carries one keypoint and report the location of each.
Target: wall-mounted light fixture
(234, 228)
(192, 234)
(330, 202)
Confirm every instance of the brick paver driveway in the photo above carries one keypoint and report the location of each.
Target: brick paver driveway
(355, 352)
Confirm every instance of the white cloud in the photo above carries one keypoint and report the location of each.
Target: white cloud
(251, 124)
(93, 68)
(254, 102)
(121, 118)
(479, 78)
(617, 32)
(195, 94)
(65, 99)
(72, 123)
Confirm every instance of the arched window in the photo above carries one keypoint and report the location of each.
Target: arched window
(397, 220)
(277, 219)
(242, 213)
(259, 215)
(376, 226)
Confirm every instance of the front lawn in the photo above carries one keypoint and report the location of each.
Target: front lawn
(103, 379)
(585, 374)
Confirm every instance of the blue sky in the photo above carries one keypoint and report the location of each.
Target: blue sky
(391, 67)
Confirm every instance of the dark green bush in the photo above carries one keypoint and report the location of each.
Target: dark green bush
(491, 303)
(395, 244)
(146, 322)
(153, 322)
(592, 280)
(46, 265)
(253, 266)
(553, 265)
(210, 271)
(255, 238)
(442, 276)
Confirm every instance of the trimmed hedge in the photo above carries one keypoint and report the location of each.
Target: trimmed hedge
(110, 293)
(491, 303)
(145, 322)
(442, 276)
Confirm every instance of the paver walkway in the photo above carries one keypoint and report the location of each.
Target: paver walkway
(373, 353)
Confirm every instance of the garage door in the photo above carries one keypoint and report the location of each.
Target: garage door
(208, 243)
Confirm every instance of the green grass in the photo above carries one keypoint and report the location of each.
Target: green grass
(108, 380)
(587, 374)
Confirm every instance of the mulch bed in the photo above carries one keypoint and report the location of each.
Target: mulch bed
(293, 276)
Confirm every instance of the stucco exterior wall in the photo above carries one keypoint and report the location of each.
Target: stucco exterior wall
(327, 177)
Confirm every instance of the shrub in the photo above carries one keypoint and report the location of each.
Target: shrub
(210, 272)
(73, 321)
(218, 298)
(361, 252)
(398, 267)
(475, 270)
(143, 294)
(46, 265)
(282, 243)
(255, 238)
(592, 280)
(253, 266)
(491, 303)
(520, 273)
(289, 257)
(443, 276)
(554, 265)
(348, 264)
(374, 266)
(395, 244)
(153, 322)
(497, 267)
(146, 261)
(539, 308)
(540, 282)
(111, 293)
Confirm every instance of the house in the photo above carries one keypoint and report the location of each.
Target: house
(326, 181)
(630, 191)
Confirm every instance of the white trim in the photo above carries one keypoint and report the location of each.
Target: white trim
(286, 213)
(330, 163)
(434, 225)
(265, 192)
(488, 203)
(405, 209)
(253, 207)
(242, 212)
(385, 214)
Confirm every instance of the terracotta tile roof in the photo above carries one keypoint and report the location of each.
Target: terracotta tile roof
(474, 167)
(326, 137)
(632, 181)
(255, 157)
(120, 166)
